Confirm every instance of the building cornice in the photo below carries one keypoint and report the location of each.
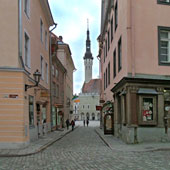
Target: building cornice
(46, 9)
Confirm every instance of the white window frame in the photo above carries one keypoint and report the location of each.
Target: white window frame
(27, 8)
(168, 48)
(27, 56)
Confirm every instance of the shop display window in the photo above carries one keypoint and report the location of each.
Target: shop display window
(147, 108)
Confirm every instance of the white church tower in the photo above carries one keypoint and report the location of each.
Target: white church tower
(88, 59)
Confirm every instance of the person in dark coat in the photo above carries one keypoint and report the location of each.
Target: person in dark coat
(72, 124)
(67, 123)
(84, 122)
(87, 122)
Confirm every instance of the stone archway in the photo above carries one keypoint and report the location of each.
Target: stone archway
(82, 116)
(93, 116)
(87, 116)
(108, 123)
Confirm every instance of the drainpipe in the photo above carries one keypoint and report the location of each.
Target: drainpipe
(131, 32)
(50, 60)
(20, 33)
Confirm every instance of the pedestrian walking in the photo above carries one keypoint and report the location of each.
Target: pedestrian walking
(72, 124)
(87, 122)
(84, 122)
(67, 123)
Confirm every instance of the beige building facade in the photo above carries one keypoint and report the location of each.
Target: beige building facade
(24, 111)
(134, 58)
(65, 57)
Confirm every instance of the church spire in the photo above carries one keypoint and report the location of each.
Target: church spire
(88, 54)
(88, 58)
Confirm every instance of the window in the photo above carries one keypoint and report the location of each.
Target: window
(57, 90)
(42, 68)
(147, 110)
(27, 50)
(31, 110)
(46, 67)
(109, 73)
(108, 39)
(164, 45)
(46, 44)
(52, 68)
(114, 64)
(104, 53)
(106, 78)
(116, 16)
(27, 7)
(111, 29)
(166, 2)
(120, 54)
(54, 89)
(41, 30)
(104, 81)
(106, 48)
(56, 73)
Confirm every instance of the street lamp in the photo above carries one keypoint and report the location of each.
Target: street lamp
(37, 76)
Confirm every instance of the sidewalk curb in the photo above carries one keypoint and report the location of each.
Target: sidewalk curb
(103, 140)
(41, 148)
(113, 149)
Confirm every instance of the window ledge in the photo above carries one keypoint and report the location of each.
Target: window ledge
(165, 62)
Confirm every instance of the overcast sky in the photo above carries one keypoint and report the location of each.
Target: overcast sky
(71, 18)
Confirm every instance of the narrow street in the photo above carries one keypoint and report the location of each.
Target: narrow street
(83, 149)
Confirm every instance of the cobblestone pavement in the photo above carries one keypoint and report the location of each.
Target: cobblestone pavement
(83, 149)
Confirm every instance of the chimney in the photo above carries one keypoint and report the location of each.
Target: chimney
(61, 38)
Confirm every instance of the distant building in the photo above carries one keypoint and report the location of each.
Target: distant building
(64, 55)
(135, 68)
(90, 95)
(58, 78)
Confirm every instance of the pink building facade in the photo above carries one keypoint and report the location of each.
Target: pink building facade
(24, 111)
(135, 66)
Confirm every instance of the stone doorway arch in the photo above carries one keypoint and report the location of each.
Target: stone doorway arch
(82, 116)
(87, 116)
(93, 116)
(108, 123)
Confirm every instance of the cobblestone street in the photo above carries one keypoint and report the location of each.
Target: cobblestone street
(83, 149)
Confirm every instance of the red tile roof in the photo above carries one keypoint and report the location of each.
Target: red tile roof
(93, 86)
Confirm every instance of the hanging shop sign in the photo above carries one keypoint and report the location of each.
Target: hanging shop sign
(99, 108)
(107, 107)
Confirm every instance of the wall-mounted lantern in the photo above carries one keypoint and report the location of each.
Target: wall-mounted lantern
(37, 76)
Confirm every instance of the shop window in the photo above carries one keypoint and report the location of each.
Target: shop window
(148, 114)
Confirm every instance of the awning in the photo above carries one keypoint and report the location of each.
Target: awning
(147, 91)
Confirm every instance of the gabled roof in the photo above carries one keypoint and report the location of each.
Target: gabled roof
(93, 86)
